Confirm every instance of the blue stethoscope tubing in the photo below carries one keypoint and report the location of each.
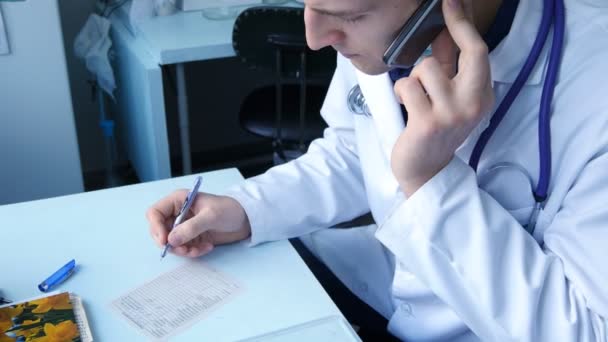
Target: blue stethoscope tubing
(553, 14)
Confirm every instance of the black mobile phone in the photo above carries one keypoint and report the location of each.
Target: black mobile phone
(416, 35)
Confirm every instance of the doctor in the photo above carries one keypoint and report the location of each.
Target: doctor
(457, 252)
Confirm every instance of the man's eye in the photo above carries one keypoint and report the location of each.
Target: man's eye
(352, 20)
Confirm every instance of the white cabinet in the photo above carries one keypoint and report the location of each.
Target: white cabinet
(38, 147)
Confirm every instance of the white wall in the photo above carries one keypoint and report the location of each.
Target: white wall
(38, 145)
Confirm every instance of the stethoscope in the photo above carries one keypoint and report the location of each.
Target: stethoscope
(553, 15)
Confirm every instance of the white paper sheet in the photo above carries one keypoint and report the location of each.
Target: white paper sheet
(175, 300)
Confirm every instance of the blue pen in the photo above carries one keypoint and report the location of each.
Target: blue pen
(184, 210)
(58, 277)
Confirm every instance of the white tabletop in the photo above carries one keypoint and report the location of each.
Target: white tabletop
(107, 233)
(187, 36)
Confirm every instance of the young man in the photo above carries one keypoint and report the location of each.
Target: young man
(458, 252)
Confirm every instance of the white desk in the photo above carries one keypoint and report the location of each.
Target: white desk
(107, 233)
(140, 51)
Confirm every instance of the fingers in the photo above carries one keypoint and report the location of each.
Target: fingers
(158, 228)
(460, 24)
(193, 251)
(434, 80)
(161, 214)
(189, 229)
(427, 86)
(474, 77)
(445, 52)
(171, 205)
(410, 92)
(200, 245)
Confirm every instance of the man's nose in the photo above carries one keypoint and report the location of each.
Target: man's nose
(320, 31)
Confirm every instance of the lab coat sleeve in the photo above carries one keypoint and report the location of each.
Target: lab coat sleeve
(481, 262)
(321, 188)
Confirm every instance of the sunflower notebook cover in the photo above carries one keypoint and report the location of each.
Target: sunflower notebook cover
(53, 318)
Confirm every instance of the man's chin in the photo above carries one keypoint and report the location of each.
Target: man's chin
(369, 68)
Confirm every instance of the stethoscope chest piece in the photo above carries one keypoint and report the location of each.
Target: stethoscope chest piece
(356, 102)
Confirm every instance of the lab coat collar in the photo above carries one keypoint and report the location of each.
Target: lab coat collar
(507, 59)
(384, 107)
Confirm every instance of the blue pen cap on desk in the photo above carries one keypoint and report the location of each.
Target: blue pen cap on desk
(58, 277)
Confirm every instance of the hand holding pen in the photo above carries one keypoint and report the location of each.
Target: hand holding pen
(212, 220)
(184, 210)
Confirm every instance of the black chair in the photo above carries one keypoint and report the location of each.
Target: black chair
(287, 111)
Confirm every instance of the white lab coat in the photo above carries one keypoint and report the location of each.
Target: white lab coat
(453, 262)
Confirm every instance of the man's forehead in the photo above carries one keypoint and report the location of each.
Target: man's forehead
(345, 6)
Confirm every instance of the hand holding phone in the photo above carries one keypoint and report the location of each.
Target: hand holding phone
(416, 35)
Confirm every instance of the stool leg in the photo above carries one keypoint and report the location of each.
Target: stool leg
(184, 124)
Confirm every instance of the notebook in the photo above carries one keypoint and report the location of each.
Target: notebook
(52, 317)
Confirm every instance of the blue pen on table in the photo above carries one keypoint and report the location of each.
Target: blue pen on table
(184, 210)
(58, 277)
